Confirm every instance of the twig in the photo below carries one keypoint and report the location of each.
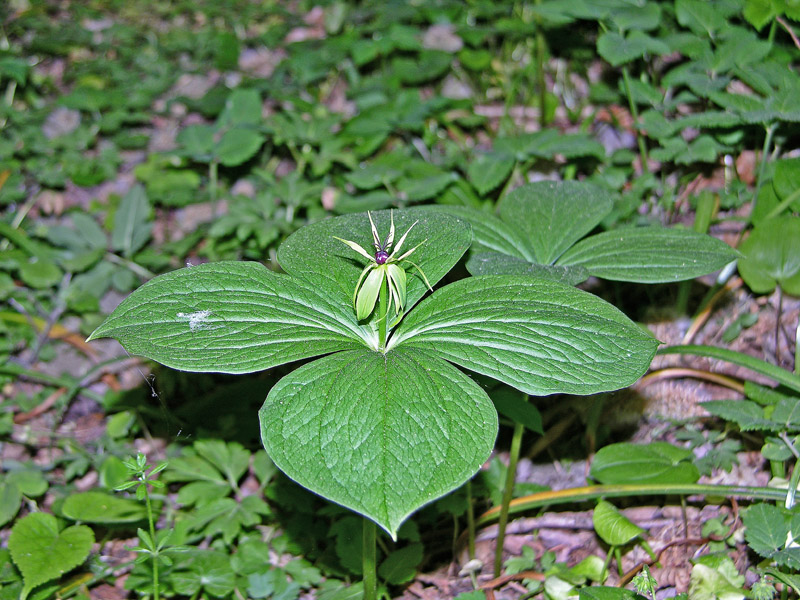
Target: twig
(789, 30)
(52, 318)
(680, 372)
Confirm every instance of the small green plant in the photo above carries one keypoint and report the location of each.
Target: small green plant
(152, 544)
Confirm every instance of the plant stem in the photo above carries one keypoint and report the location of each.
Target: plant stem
(213, 167)
(770, 129)
(738, 358)
(778, 326)
(592, 492)
(368, 561)
(508, 491)
(382, 314)
(155, 542)
(635, 113)
(540, 47)
(470, 521)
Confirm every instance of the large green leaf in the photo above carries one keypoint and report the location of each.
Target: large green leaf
(554, 215)
(649, 254)
(539, 336)
(444, 240)
(494, 263)
(230, 317)
(772, 256)
(490, 233)
(379, 434)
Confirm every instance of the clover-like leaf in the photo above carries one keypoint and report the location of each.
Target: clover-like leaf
(379, 434)
(42, 552)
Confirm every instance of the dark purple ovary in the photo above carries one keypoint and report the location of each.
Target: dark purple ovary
(381, 256)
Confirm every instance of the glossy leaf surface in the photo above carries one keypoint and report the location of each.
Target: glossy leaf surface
(537, 335)
(380, 434)
(230, 317)
(552, 216)
(649, 255)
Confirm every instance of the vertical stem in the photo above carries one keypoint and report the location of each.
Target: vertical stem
(213, 166)
(635, 113)
(471, 520)
(508, 490)
(368, 561)
(382, 313)
(540, 46)
(152, 537)
(770, 129)
(778, 326)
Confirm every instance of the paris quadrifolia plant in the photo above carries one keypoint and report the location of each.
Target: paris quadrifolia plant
(383, 267)
(383, 421)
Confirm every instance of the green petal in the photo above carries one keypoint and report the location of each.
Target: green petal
(397, 280)
(368, 294)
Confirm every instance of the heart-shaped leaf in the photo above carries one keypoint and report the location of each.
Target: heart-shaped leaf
(230, 317)
(43, 553)
(772, 256)
(237, 146)
(539, 336)
(648, 254)
(379, 434)
(554, 215)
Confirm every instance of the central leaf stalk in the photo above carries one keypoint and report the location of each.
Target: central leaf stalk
(382, 310)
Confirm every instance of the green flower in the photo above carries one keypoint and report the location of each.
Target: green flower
(383, 265)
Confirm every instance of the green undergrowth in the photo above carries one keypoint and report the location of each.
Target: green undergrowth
(525, 149)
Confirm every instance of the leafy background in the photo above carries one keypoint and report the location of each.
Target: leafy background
(140, 137)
